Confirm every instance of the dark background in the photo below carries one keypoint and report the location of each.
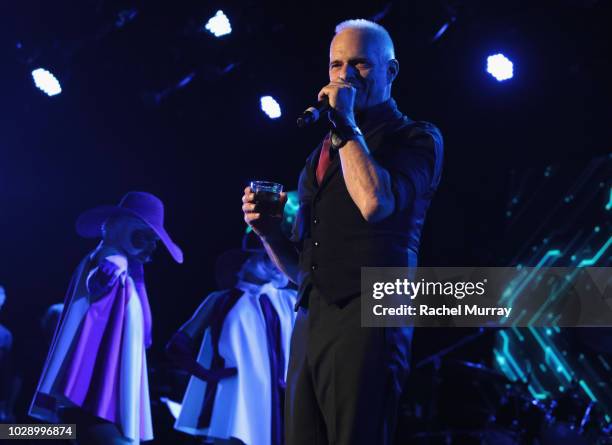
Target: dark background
(121, 124)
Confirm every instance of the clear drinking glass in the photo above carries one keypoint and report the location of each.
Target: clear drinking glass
(267, 197)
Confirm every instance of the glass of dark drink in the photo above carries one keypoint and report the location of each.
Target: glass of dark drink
(267, 197)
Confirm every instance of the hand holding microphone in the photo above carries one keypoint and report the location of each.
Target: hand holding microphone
(339, 97)
(312, 114)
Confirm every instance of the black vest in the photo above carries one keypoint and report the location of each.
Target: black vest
(333, 238)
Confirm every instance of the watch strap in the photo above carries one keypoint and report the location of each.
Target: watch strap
(341, 134)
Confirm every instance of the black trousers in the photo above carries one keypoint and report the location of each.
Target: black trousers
(344, 381)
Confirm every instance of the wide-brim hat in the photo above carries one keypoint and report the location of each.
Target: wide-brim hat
(142, 205)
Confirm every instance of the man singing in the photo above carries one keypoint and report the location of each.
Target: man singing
(363, 196)
(96, 371)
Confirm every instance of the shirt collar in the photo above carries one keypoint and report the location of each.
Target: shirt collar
(372, 117)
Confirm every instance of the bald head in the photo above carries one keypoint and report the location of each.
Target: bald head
(372, 31)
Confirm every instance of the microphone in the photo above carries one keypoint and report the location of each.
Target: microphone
(312, 114)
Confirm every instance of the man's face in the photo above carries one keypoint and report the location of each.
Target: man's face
(135, 238)
(357, 57)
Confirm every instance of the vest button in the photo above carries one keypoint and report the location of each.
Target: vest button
(313, 267)
(315, 221)
(316, 244)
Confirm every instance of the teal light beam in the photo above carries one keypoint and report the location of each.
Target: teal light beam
(508, 355)
(551, 253)
(590, 261)
(550, 352)
(587, 390)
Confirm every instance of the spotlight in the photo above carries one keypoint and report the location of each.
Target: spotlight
(270, 107)
(46, 82)
(218, 25)
(499, 67)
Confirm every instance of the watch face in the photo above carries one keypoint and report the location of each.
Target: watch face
(336, 140)
(340, 138)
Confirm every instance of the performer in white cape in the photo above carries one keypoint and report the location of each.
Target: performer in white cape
(95, 374)
(246, 332)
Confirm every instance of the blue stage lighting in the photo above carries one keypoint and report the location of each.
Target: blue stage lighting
(218, 25)
(270, 107)
(46, 82)
(499, 67)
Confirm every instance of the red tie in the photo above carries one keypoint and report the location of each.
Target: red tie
(324, 159)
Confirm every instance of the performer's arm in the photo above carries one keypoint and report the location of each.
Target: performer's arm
(280, 249)
(368, 184)
(181, 348)
(409, 170)
(283, 253)
(105, 276)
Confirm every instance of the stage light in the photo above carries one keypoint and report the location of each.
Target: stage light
(46, 82)
(499, 67)
(218, 25)
(270, 107)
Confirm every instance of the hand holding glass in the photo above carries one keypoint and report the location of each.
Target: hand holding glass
(267, 197)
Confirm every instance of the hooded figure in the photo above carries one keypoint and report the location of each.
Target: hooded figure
(96, 369)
